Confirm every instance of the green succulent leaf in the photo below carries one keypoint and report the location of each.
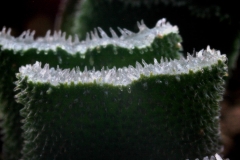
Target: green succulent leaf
(96, 51)
(204, 20)
(142, 112)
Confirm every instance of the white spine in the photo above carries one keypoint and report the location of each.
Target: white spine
(96, 38)
(122, 76)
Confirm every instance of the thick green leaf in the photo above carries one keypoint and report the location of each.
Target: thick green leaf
(96, 51)
(168, 110)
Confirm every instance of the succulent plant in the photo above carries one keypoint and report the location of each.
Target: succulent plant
(125, 96)
(198, 20)
(160, 41)
(142, 112)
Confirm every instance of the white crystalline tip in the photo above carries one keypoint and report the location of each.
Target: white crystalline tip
(122, 76)
(96, 38)
(216, 157)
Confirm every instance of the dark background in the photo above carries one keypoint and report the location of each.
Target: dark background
(39, 15)
(20, 15)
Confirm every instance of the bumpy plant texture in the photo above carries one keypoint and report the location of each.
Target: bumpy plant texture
(94, 52)
(168, 109)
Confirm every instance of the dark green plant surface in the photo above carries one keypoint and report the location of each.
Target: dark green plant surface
(169, 116)
(200, 23)
(95, 56)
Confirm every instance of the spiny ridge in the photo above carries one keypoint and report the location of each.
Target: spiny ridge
(94, 39)
(122, 76)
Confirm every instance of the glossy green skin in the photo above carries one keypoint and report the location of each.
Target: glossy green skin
(99, 57)
(158, 117)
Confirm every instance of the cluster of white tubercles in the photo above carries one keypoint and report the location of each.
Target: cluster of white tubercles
(96, 38)
(216, 157)
(122, 76)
